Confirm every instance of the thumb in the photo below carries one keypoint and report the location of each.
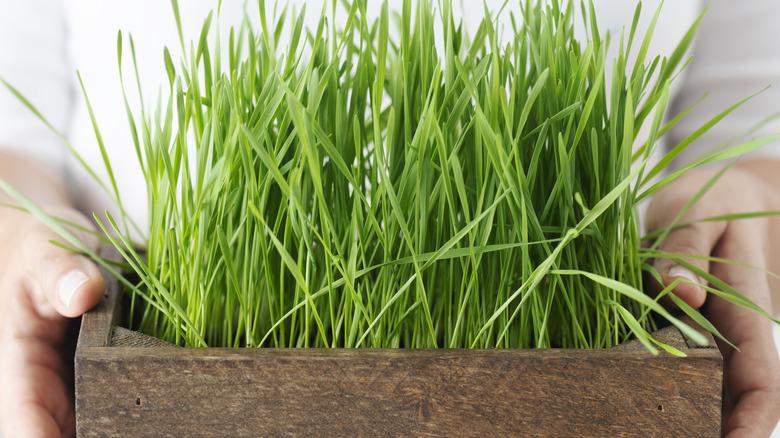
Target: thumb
(697, 239)
(71, 283)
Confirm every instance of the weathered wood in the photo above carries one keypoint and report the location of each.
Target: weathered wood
(182, 392)
(98, 324)
(173, 391)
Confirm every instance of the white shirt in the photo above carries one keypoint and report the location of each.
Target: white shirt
(43, 42)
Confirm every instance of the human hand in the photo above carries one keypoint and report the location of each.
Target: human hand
(42, 286)
(751, 391)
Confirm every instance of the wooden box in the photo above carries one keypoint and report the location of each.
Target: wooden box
(128, 384)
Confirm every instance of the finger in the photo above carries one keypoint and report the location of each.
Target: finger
(70, 283)
(35, 418)
(752, 380)
(696, 239)
(35, 398)
(32, 420)
(751, 408)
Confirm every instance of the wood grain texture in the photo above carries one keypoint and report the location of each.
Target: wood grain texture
(173, 391)
(97, 325)
(183, 392)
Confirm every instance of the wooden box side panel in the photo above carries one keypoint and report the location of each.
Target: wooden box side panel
(126, 393)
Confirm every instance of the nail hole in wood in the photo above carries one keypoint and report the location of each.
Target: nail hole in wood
(660, 407)
(138, 401)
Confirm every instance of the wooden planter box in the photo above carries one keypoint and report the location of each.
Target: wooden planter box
(128, 384)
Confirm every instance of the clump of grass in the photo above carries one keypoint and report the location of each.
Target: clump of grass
(356, 191)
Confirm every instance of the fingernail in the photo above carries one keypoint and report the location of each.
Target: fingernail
(680, 272)
(69, 284)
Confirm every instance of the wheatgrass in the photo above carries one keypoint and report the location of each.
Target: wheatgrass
(382, 193)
